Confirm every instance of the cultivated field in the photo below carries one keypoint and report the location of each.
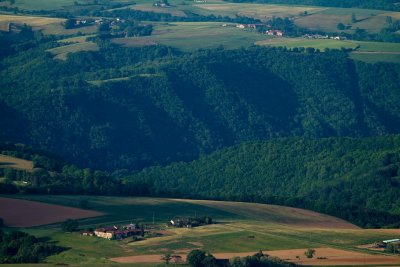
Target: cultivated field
(191, 35)
(240, 229)
(15, 163)
(323, 257)
(23, 213)
(38, 23)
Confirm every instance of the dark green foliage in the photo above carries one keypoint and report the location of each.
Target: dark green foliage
(310, 253)
(174, 114)
(259, 260)
(392, 248)
(341, 26)
(19, 247)
(70, 225)
(70, 23)
(199, 258)
(354, 179)
(1, 222)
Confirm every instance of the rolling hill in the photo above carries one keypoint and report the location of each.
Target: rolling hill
(355, 179)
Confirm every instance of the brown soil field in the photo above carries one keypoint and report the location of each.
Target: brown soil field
(15, 163)
(23, 213)
(293, 217)
(331, 257)
(327, 256)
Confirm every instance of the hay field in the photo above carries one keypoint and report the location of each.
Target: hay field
(15, 163)
(35, 22)
(63, 51)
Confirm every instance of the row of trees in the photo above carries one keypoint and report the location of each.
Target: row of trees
(199, 258)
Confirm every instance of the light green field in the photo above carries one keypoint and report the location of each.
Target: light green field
(369, 52)
(240, 227)
(62, 51)
(42, 4)
(302, 42)
(318, 18)
(195, 35)
(259, 11)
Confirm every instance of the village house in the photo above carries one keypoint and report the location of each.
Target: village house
(113, 232)
(316, 36)
(254, 26)
(274, 33)
(88, 233)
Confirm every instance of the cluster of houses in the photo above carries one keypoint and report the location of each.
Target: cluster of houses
(259, 25)
(190, 222)
(274, 33)
(255, 26)
(319, 36)
(115, 232)
(163, 3)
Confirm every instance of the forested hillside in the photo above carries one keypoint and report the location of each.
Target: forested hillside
(355, 179)
(133, 108)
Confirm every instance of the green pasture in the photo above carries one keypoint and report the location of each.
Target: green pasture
(195, 35)
(42, 4)
(62, 52)
(369, 52)
(320, 44)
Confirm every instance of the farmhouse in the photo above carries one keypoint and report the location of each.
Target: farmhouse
(316, 36)
(113, 232)
(88, 233)
(254, 26)
(274, 33)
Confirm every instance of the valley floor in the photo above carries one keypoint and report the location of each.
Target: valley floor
(240, 229)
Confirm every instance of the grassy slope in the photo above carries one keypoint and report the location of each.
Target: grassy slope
(15, 163)
(234, 232)
(62, 51)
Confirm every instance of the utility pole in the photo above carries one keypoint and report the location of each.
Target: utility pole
(153, 218)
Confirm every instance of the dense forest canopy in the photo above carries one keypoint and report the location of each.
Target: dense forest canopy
(355, 179)
(171, 106)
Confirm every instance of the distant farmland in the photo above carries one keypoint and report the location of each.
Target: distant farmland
(36, 22)
(195, 35)
(364, 51)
